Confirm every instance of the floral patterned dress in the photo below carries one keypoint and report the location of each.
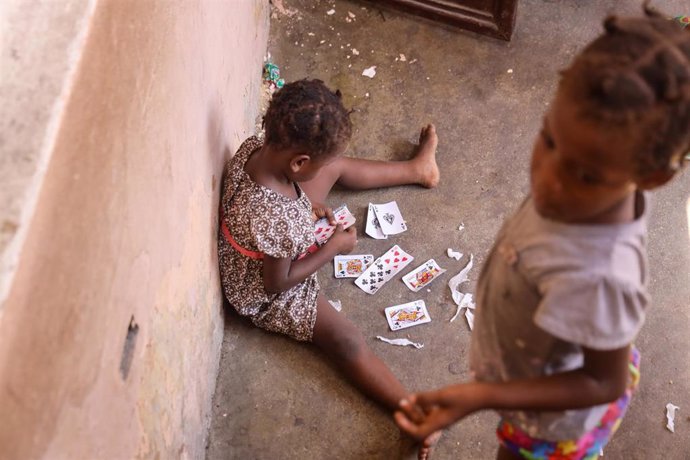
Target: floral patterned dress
(262, 221)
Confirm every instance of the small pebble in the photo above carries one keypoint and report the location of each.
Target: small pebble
(330, 12)
(510, 70)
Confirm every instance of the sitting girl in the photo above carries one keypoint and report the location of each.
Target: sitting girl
(268, 261)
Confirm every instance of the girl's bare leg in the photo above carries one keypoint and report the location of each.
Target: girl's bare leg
(360, 174)
(505, 454)
(342, 342)
(345, 346)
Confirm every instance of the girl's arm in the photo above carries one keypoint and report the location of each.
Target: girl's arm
(601, 379)
(282, 274)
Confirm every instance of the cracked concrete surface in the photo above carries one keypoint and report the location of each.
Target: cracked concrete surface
(280, 399)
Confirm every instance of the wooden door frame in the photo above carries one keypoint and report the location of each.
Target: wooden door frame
(498, 23)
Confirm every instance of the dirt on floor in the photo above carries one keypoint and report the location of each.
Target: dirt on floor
(278, 399)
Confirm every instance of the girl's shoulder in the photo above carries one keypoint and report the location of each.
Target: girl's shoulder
(250, 145)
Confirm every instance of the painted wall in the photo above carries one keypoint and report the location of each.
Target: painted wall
(121, 239)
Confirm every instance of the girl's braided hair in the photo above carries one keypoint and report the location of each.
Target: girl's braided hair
(638, 75)
(305, 114)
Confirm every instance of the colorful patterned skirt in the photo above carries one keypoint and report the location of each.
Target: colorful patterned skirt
(589, 445)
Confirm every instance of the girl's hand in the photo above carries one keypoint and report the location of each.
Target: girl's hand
(343, 241)
(320, 211)
(441, 409)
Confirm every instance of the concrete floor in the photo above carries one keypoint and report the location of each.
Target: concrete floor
(277, 399)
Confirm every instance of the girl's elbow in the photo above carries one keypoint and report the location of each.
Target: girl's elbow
(613, 391)
(274, 286)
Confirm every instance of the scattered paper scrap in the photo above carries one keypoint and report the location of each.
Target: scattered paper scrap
(461, 227)
(423, 275)
(369, 71)
(355, 52)
(467, 301)
(403, 58)
(390, 218)
(413, 61)
(469, 315)
(510, 70)
(670, 416)
(337, 304)
(330, 12)
(407, 315)
(383, 269)
(401, 342)
(351, 14)
(458, 279)
(454, 254)
(373, 228)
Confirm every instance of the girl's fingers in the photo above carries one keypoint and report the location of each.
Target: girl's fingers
(412, 411)
(329, 214)
(406, 425)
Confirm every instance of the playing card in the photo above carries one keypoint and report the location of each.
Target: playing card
(422, 275)
(323, 230)
(383, 269)
(407, 315)
(390, 218)
(373, 228)
(351, 266)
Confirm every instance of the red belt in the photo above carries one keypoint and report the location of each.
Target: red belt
(256, 255)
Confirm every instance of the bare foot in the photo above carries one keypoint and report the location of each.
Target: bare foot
(428, 445)
(425, 157)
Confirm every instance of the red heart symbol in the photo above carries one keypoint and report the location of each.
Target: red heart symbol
(404, 259)
(395, 266)
(341, 218)
(387, 261)
(396, 253)
(396, 260)
(319, 230)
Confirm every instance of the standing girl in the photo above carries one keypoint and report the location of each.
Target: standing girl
(563, 293)
(266, 241)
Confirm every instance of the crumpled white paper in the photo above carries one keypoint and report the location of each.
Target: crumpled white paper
(330, 12)
(401, 342)
(458, 279)
(469, 315)
(670, 416)
(454, 254)
(337, 304)
(369, 71)
(466, 302)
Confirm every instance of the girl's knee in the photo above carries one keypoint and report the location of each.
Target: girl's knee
(348, 344)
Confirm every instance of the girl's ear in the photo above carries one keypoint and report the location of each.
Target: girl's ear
(298, 162)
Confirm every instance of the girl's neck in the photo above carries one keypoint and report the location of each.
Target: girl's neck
(265, 167)
(622, 212)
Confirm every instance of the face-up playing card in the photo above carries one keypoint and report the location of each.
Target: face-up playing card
(323, 230)
(422, 275)
(383, 269)
(351, 266)
(407, 315)
(390, 218)
(373, 228)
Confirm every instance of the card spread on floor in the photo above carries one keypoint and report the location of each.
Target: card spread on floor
(390, 219)
(423, 275)
(383, 269)
(373, 228)
(351, 266)
(407, 315)
(323, 230)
